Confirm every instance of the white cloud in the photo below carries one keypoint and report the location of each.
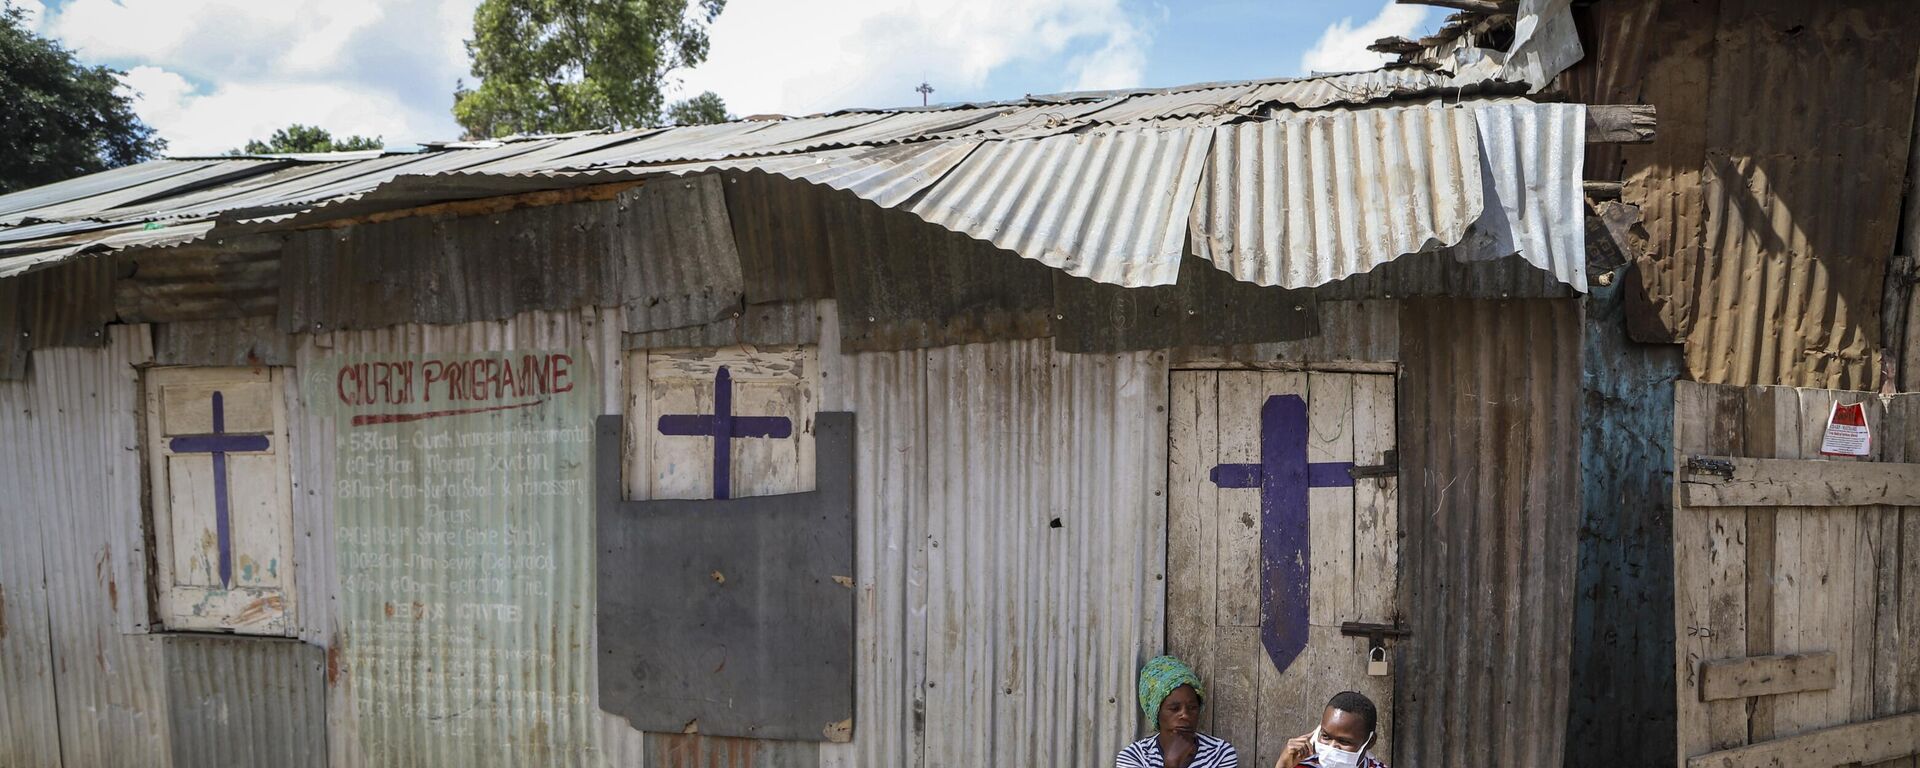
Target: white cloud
(1343, 46)
(226, 116)
(796, 58)
(34, 12)
(1121, 63)
(214, 73)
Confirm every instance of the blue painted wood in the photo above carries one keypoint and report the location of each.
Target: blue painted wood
(1621, 702)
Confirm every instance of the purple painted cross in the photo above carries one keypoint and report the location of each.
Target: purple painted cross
(219, 443)
(1283, 477)
(723, 426)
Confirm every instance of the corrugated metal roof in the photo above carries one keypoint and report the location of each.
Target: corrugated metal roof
(83, 187)
(1307, 199)
(1345, 89)
(1316, 197)
(1109, 205)
(1099, 185)
(1172, 105)
(127, 236)
(219, 174)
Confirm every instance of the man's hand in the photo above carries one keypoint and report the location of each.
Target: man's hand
(1299, 748)
(1177, 748)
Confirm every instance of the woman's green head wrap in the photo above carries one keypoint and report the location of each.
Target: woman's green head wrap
(1158, 679)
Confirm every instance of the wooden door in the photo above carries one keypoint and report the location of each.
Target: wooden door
(1273, 541)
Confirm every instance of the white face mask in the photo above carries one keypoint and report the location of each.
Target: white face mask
(1335, 757)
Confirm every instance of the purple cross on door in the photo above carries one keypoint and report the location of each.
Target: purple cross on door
(1283, 477)
(723, 426)
(219, 444)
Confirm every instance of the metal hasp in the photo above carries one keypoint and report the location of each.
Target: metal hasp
(1376, 634)
(730, 617)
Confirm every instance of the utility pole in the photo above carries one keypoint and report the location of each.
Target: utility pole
(925, 91)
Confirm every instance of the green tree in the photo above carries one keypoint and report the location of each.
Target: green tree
(306, 138)
(60, 118)
(553, 66)
(704, 109)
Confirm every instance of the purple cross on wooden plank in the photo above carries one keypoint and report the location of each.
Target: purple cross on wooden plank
(722, 426)
(219, 444)
(1283, 477)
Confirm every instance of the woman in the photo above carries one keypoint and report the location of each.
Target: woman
(1171, 695)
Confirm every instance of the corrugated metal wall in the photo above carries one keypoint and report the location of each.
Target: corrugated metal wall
(1769, 238)
(72, 473)
(246, 702)
(29, 728)
(1489, 427)
(902, 283)
(560, 734)
(1621, 691)
(664, 249)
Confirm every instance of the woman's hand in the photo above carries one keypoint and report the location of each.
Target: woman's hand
(1177, 748)
(1299, 748)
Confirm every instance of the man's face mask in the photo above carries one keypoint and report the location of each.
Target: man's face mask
(1335, 757)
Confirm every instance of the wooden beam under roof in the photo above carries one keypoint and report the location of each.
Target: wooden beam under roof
(1620, 123)
(1477, 6)
(1395, 45)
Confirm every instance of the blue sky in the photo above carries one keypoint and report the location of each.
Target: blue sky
(211, 74)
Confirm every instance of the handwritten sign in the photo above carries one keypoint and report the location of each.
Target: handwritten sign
(464, 619)
(1847, 431)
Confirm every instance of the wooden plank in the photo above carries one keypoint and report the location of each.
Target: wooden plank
(1800, 483)
(1233, 693)
(1601, 190)
(1192, 526)
(1908, 681)
(1329, 510)
(1873, 741)
(1799, 544)
(1692, 408)
(1291, 701)
(1864, 627)
(1238, 510)
(1772, 431)
(1710, 573)
(636, 445)
(1897, 650)
(1767, 675)
(1726, 572)
(1376, 511)
(1621, 123)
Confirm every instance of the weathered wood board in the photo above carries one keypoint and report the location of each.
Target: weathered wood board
(222, 499)
(1227, 551)
(1766, 675)
(1871, 742)
(1795, 589)
(1798, 483)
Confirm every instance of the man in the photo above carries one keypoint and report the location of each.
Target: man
(1345, 734)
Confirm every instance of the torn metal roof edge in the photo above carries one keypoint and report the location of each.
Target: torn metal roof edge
(1120, 169)
(1124, 186)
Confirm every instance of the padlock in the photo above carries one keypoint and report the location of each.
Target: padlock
(1377, 661)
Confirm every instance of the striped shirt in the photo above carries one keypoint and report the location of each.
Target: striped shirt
(1209, 752)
